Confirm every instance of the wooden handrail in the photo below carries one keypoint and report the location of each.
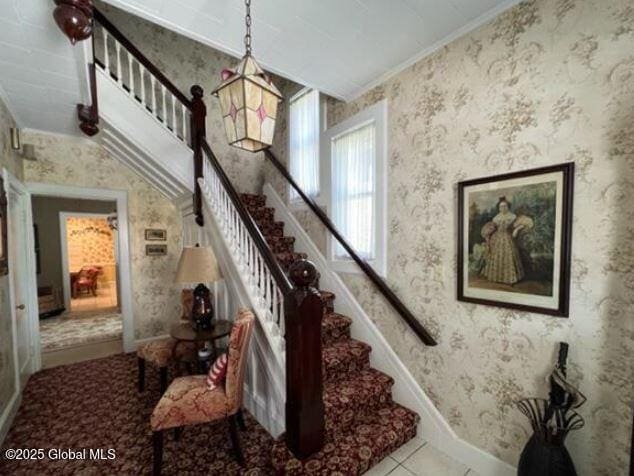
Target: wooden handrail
(141, 58)
(382, 286)
(267, 255)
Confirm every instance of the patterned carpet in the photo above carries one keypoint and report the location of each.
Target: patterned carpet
(76, 328)
(363, 423)
(95, 404)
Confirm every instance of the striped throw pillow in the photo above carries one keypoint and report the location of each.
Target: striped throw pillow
(217, 372)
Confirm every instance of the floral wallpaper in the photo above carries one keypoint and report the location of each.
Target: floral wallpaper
(186, 62)
(547, 82)
(90, 242)
(13, 163)
(80, 162)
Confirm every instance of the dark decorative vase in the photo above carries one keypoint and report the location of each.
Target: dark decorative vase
(202, 310)
(542, 458)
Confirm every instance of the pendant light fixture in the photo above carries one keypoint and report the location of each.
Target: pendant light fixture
(248, 100)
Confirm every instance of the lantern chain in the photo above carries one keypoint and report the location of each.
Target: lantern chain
(247, 21)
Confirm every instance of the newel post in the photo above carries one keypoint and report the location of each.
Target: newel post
(198, 132)
(304, 309)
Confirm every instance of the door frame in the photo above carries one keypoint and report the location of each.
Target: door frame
(123, 242)
(30, 284)
(64, 245)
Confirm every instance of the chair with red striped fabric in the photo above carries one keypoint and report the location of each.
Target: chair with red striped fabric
(190, 401)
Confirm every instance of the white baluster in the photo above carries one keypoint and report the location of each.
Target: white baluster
(118, 48)
(106, 56)
(267, 289)
(276, 310)
(184, 122)
(164, 106)
(174, 130)
(131, 74)
(142, 78)
(153, 85)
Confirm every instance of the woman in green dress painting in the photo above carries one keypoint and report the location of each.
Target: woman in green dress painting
(503, 263)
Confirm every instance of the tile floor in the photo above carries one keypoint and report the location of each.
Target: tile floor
(106, 298)
(417, 458)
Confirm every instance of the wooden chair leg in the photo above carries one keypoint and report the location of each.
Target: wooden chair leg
(141, 363)
(163, 377)
(157, 440)
(241, 424)
(235, 439)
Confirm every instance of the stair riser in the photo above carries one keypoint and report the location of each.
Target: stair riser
(338, 370)
(342, 413)
(330, 336)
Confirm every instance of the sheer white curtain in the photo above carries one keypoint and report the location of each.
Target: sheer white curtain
(353, 190)
(304, 142)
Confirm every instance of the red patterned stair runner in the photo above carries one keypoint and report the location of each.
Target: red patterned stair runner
(363, 424)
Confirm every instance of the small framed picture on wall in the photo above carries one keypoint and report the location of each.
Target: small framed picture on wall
(155, 250)
(155, 235)
(514, 237)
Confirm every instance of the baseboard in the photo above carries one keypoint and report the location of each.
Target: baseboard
(81, 353)
(433, 427)
(9, 415)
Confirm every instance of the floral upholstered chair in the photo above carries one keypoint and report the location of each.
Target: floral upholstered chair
(189, 401)
(160, 352)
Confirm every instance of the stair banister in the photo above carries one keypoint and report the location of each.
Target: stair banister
(140, 57)
(379, 282)
(300, 302)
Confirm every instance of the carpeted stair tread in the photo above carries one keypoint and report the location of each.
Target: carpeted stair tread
(279, 244)
(329, 300)
(367, 442)
(252, 200)
(335, 327)
(286, 259)
(345, 358)
(347, 400)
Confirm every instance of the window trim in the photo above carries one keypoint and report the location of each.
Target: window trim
(377, 114)
(297, 203)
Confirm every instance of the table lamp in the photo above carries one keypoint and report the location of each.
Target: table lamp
(198, 265)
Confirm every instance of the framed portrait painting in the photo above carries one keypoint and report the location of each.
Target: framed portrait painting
(514, 240)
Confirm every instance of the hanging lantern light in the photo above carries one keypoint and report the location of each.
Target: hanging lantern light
(248, 100)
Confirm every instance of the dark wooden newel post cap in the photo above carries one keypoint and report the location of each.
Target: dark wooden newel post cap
(302, 273)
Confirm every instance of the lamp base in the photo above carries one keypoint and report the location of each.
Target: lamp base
(202, 310)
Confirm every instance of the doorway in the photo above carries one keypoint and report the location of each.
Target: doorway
(19, 273)
(83, 272)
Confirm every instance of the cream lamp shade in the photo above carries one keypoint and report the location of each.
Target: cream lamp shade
(197, 265)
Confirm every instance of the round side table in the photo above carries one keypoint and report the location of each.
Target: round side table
(184, 332)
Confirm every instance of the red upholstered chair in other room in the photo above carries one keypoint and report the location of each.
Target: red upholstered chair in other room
(86, 281)
(189, 400)
(160, 352)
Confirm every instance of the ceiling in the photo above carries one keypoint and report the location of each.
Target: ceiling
(341, 47)
(41, 76)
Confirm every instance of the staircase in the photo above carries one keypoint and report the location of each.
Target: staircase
(363, 424)
(343, 418)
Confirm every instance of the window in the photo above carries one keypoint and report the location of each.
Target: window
(356, 150)
(304, 142)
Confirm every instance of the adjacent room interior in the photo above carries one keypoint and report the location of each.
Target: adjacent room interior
(76, 264)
